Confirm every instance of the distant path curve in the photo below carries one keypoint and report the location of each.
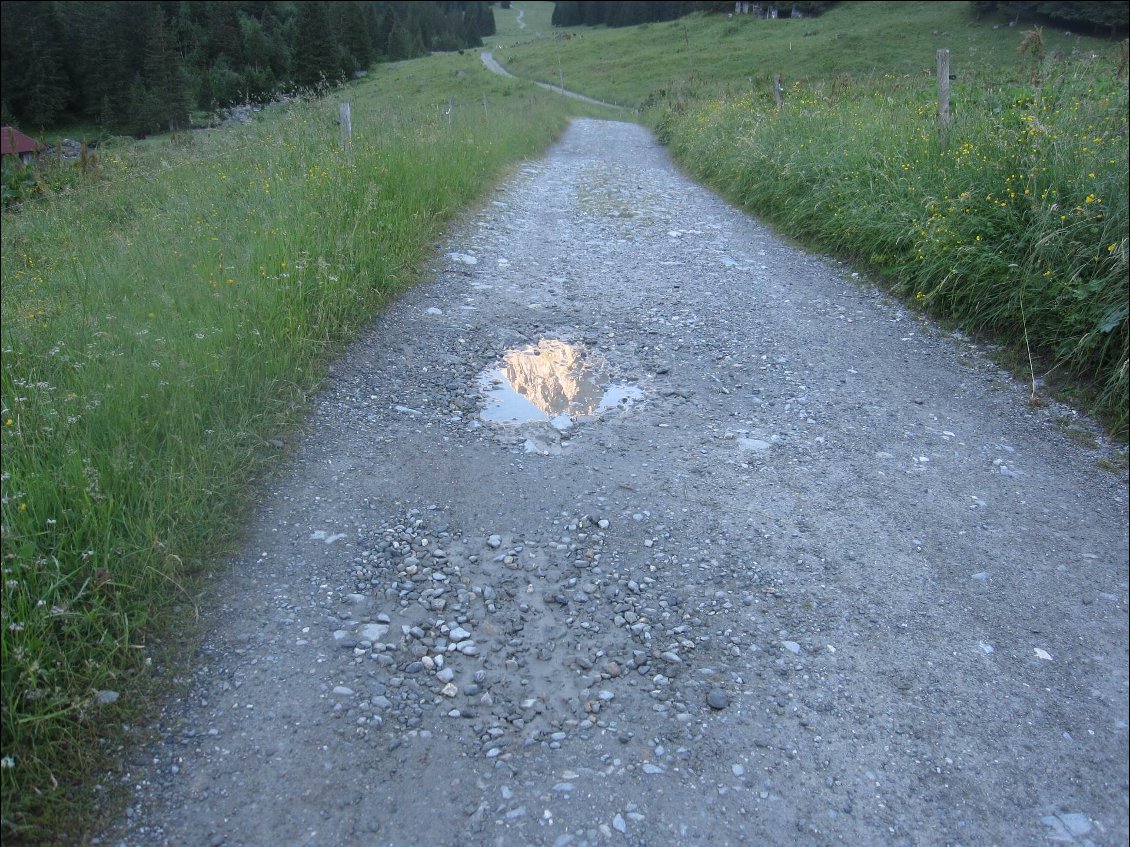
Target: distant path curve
(492, 65)
(518, 20)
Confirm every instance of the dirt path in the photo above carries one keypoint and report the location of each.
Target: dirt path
(812, 573)
(493, 66)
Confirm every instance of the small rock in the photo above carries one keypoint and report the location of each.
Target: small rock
(717, 699)
(619, 824)
(106, 697)
(754, 444)
(372, 632)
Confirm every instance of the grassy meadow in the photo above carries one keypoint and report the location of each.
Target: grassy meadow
(1013, 223)
(851, 43)
(162, 326)
(535, 23)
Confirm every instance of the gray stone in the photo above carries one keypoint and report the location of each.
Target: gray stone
(717, 699)
(372, 632)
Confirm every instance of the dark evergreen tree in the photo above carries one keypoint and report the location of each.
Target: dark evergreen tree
(34, 81)
(164, 79)
(355, 37)
(222, 29)
(383, 36)
(316, 56)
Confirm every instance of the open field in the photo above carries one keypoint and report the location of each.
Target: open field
(534, 22)
(162, 330)
(853, 41)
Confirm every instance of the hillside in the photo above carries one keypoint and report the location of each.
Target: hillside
(853, 39)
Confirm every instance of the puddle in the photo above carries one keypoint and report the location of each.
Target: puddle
(551, 381)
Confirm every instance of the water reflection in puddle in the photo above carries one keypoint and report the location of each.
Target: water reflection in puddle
(552, 381)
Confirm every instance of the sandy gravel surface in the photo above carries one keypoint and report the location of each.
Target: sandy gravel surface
(773, 562)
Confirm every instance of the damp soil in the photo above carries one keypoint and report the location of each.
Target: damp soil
(763, 559)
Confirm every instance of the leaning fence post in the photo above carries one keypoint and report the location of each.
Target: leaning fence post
(346, 120)
(943, 92)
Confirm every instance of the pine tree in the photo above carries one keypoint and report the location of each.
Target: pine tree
(400, 44)
(35, 85)
(315, 54)
(384, 31)
(355, 33)
(163, 77)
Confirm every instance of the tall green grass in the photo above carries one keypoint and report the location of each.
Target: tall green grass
(160, 328)
(635, 66)
(1015, 222)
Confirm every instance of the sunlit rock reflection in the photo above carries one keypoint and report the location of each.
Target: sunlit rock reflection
(552, 381)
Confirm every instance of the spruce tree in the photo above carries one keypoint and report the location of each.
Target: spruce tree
(163, 77)
(315, 54)
(35, 85)
(355, 33)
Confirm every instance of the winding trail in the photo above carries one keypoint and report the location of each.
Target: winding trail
(493, 65)
(820, 577)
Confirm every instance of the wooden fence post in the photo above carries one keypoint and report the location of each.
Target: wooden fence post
(777, 90)
(690, 53)
(345, 118)
(943, 93)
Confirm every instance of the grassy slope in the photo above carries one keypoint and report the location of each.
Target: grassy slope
(160, 327)
(628, 65)
(536, 17)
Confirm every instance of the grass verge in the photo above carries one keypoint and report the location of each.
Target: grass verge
(1013, 222)
(160, 327)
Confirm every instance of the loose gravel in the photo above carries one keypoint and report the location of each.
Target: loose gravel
(826, 580)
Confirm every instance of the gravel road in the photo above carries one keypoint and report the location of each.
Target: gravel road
(769, 561)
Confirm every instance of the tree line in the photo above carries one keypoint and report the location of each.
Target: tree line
(142, 67)
(617, 13)
(1098, 17)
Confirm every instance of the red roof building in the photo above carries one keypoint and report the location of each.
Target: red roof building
(15, 143)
